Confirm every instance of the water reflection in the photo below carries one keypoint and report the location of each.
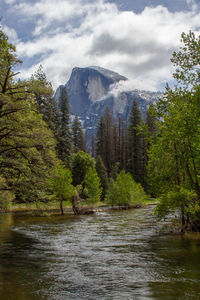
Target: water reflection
(118, 255)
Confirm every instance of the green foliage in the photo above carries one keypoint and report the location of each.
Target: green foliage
(61, 185)
(64, 133)
(174, 157)
(115, 170)
(136, 144)
(43, 93)
(102, 173)
(8, 60)
(26, 143)
(187, 61)
(124, 191)
(6, 196)
(106, 140)
(81, 163)
(173, 200)
(92, 186)
(78, 135)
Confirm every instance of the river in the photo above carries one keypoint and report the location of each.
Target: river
(110, 255)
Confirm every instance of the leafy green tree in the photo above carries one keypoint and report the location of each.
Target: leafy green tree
(61, 185)
(8, 60)
(187, 61)
(78, 135)
(26, 144)
(124, 191)
(174, 157)
(92, 186)
(6, 196)
(44, 99)
(81, 163)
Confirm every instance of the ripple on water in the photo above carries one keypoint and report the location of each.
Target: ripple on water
(110, 255)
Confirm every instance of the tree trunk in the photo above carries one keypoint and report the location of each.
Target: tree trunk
(182, 220)
(61, 208)
(75, 204)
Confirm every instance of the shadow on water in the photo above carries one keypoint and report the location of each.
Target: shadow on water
(22, 261)
(110, 255)
(178, 267)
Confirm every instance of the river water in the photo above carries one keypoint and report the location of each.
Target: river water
(110, 255)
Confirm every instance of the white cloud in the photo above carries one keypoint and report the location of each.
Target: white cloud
(10, 1)
(193, 4)
(11, 33)
(80, 33)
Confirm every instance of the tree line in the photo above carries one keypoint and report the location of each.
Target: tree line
(124, 146)
(43, 154)
(163, 152)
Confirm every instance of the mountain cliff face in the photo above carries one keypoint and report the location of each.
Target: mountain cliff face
(87, 85)
(90, 92)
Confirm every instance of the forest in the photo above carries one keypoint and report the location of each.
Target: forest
(44, 158)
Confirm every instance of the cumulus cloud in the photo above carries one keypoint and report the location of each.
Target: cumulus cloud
(192, 4)
(83, 32)
(11, 33)
(10, 1)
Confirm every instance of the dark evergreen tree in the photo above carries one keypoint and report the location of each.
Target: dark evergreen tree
(105, 140)
(115, 170)
(150, 129)
(135, 147)
(78, 135)
(100, 139)
(102, 173)
(64, 134)
(121, 143)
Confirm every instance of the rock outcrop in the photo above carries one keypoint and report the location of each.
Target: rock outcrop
(90, 91)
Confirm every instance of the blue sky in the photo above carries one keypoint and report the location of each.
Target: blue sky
(133, 37)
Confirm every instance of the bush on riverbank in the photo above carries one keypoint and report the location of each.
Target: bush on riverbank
(124, 191)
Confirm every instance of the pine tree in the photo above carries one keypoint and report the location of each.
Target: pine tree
(120, 143)
(78, 135)
(102, 173)
(105, 140)
(135, 147)
(64, 134)
(100, 139)
(151, 124)
(150, 129)
(44, 99)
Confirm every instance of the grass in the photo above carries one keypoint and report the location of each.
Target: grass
(54, 205)
(150, 201)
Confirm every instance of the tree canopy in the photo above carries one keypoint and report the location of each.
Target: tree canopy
(174, 166)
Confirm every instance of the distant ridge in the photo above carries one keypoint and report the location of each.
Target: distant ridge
(90, 92)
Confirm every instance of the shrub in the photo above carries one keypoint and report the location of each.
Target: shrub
(124, 191)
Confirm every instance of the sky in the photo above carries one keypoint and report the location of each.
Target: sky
(135, 38)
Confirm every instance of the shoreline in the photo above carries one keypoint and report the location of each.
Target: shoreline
(69, 211)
